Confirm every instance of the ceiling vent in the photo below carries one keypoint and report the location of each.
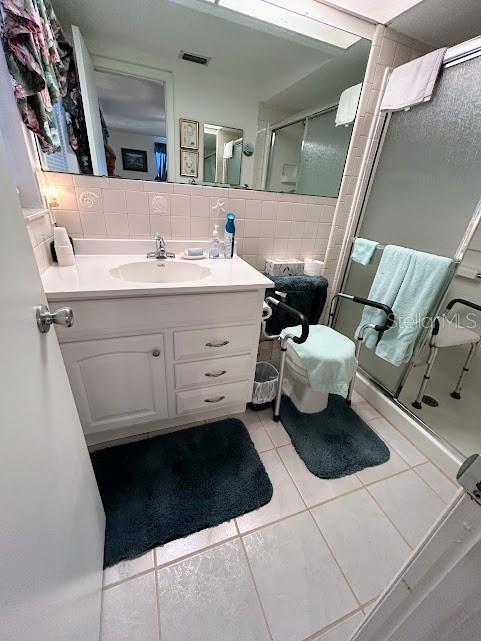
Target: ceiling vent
(194, 57)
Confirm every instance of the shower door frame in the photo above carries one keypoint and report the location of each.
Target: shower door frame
(455, 55)
(287, 123)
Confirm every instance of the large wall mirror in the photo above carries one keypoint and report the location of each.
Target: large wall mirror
(272, 108)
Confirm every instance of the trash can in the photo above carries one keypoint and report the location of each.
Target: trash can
(266, 380)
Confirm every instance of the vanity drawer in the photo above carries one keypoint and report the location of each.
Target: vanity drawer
(210, 398)
(215, 341)
(214, 370)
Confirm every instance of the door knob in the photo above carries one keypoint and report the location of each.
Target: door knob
(63, 316)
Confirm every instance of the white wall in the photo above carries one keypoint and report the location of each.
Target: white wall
(119, 138)
(216, 100)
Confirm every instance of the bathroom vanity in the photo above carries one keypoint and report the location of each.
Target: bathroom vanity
(155, 344)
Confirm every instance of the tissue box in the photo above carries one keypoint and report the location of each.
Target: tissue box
(284, 267)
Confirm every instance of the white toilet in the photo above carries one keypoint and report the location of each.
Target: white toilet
(296, 385)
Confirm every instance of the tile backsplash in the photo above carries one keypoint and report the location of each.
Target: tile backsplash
(268, 225)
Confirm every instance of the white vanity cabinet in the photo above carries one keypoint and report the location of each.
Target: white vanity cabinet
(117, 382)
(140, 364)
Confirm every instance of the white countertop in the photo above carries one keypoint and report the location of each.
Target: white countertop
(91, 278)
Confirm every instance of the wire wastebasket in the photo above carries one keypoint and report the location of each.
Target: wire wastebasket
(266, 381)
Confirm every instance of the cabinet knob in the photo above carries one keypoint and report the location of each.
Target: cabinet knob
(156, 352)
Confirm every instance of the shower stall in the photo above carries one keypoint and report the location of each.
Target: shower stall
(420, 189)
(307, 156)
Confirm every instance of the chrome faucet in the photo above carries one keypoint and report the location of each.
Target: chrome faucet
(160, 253)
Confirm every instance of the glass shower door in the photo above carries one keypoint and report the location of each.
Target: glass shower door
(424, 192)
(323, 156)
(286, 146)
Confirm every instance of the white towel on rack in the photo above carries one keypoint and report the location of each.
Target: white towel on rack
(228, 150)
(413, 83)
(347, 108)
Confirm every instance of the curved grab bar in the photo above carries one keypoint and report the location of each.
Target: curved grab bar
(301, 319)
(388, 323)
(462, 301)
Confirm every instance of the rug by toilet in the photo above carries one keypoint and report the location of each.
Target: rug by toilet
(335, 442)
(164, 488)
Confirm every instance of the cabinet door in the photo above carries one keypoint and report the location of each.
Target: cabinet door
(117, 382)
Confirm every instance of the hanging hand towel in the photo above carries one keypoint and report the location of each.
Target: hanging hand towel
(413, 83)
(384, 289)
(228, 150)
(420, 290)
(363, 251)
(347, 108)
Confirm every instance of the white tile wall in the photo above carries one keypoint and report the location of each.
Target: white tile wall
(389, 49)
(268, 225)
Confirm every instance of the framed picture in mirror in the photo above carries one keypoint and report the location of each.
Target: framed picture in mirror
(189, 134)
(134, 160)
(189, 163)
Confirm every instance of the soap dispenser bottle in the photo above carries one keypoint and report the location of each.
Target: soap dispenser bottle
(214, 243)
(229, 236)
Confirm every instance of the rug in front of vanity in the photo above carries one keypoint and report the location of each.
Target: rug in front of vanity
(335, 442)
(164, 488)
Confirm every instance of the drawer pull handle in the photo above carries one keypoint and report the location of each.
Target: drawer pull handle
(155, 352)
(214, 400)
(220, 344)
(216, 374)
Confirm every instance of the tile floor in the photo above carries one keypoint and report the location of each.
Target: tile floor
(307, 566)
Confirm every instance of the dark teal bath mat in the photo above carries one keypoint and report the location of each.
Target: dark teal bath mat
(335, 442)
(164, 488)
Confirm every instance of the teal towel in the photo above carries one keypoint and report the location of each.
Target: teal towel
(363, 251)
(329, 358)
(410, 282)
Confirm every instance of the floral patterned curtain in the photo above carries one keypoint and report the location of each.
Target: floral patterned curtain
(38, 58)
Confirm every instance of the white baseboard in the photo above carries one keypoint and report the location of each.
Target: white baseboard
(433, 448)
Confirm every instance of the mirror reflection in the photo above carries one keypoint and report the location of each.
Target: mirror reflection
(195, 93)
(222, 154)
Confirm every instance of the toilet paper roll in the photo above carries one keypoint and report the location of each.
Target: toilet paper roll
(313, 267)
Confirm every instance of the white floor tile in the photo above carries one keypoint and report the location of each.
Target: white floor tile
(129, 611)
(313, 489)
(285, 501)
(343, 631)
(436, 480)
(300, 585)
(364, 542)
(275, 429)
(410, 503)
(366, 411)
(194, 542)
(369, 607)
(210, 597)
(259, 436)
(379, 472)
(357, 398)
(128, 569)
(397, 441)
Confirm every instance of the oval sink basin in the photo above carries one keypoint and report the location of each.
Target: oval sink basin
(159, 272)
